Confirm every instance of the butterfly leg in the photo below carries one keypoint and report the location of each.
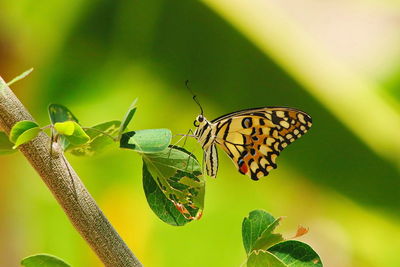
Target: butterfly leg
(184, 136)
(180, 139)
(187, 135)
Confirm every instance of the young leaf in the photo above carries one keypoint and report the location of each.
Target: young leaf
(27, 136)
(20, 77)
(128, 117)
(147, 141)
(78, 136)
(6, 147)
(19, 128)
(100, 138)
(43, 260)
(23, 132)
(65, 128)
(178, 175)
(253, 226)
(60, 113)
(296, 254)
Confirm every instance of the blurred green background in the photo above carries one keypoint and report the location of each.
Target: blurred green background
(337, 60)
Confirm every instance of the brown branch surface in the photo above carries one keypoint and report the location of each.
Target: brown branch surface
(67, 188)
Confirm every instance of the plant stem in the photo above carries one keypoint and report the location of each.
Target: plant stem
(67, 188)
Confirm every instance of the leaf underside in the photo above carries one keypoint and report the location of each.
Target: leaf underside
(147, 141)
(178, 176)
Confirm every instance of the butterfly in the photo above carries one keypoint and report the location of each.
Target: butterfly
(252, 138)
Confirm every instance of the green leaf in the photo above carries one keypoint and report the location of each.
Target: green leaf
(78, 137)
(23, 132)
(65, 128)
(128, 117)
(177, 173)
(265, 248)
(268, 238)
(159, 203)
(27, 136)
(147, 141)
(43, 260)
(253, 226)
(19, 128)
(6, 147)
(262, 258)
(98, 141)
(60, 113)
(296, 254)
(20, 77)
(285, 254)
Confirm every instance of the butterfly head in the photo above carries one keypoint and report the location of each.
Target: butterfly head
(201, 123)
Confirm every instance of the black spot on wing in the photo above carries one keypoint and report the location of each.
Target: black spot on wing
(247, 122)
(275, 119)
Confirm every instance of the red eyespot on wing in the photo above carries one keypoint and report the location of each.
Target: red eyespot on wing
(243, 168)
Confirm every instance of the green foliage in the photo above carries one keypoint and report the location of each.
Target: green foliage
(147, 141)
(263, 258)
(177, 173)
(101, 137)
(296, 254)
(266, 248)
(60, 113)
(159, 203)
(65, 128)
(6, 147)
(172, 177)
(267, 237)
(23, 132)
(19, 128)
(72, 132)
(43, 260)
(78, 136)
(253, 226)
(20, 77)
(128, 117)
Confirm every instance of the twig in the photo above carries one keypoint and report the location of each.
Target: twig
(67, 188)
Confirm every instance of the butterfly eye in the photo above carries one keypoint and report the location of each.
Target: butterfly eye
(200, 118)
(196, 123)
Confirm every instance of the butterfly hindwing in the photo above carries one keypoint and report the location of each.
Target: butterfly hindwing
(254, 138)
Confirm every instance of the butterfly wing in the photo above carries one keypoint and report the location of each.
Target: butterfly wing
(254, 138)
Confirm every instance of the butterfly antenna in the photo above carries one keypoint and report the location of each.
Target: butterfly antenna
(194, 96)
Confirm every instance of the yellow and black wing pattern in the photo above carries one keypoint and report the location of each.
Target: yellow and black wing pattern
(254, 138)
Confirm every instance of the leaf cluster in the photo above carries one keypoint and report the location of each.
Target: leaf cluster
(264, 247)
(172, 177)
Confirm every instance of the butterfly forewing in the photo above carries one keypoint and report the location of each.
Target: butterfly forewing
(254, 138)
